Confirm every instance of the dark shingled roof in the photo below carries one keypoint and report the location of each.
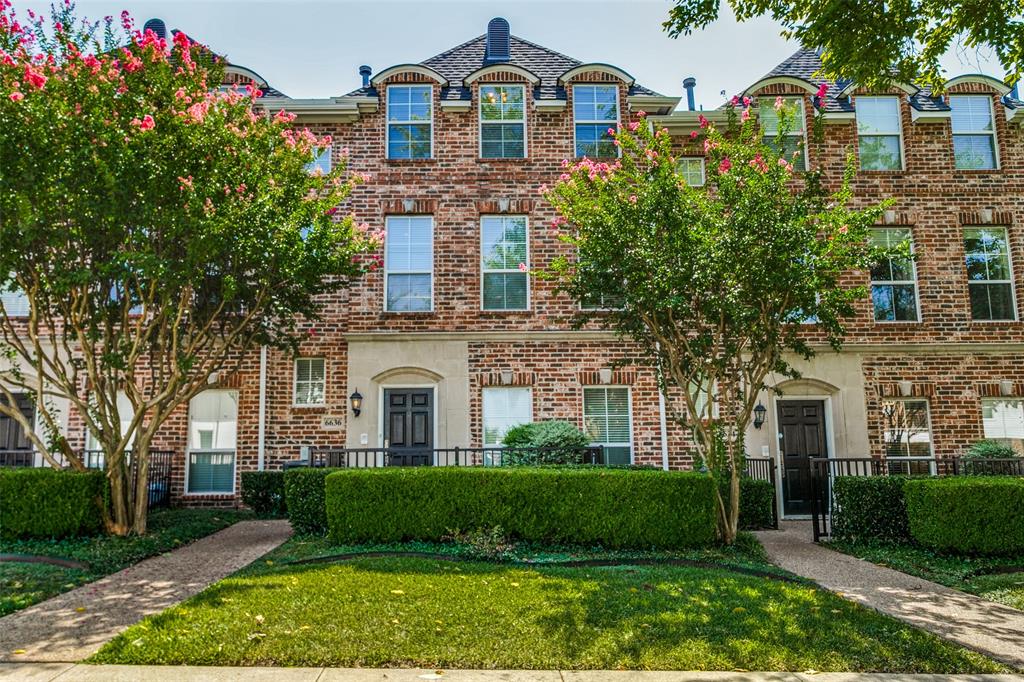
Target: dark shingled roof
(460, 61)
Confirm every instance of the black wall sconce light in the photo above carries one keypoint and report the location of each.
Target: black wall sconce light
(356, 400)
(759, 413)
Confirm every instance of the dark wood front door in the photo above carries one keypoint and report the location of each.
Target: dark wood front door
(15, 447)
(802, 430)
(409, 426)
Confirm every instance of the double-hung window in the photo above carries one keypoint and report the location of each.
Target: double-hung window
(212, 435)
(989, 276)
(792, 146)
(504, 408)
(595, 109)
(607, 421)
(906, 429)
(409, 264)
(321, 163)
(14, 301)
(504, 262)
(879, 136)
(410, 121)
(1003, 420)
(310, 381)
(974, 134)
(893, 280)
(692, 170)
(502, 121)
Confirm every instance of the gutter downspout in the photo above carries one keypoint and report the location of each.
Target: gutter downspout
(261, 426)
(661, 419)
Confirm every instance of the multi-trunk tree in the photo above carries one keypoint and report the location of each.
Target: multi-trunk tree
(154, 227)
(712, 282)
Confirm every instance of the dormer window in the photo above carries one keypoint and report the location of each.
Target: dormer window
(794, 143)
(410, 121)
(974, 135)
(595, 110)
(879, 137)
(321, 163)
(502, 122)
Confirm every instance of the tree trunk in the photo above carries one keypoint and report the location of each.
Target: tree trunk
(140, 465)
(119, 523)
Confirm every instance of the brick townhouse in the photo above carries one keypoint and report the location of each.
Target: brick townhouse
(450, 343)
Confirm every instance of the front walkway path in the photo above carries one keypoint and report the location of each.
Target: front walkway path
(993, 629)
(55, 672)
(74, 625)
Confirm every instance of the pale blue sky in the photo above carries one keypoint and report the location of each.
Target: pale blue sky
(314, 49)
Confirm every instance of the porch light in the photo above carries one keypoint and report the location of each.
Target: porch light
(356, 400)
(759, 413)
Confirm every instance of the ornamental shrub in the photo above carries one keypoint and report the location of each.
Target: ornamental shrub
(559, 442)
(990, 449)
(870, 508)
(967, 515)
(757, 498)
(263, 492)
(610, 507)
(304, 499)
(47, 503)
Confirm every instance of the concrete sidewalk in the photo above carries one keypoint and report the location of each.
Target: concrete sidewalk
(993, 629)
(74, 625)
(42, 672)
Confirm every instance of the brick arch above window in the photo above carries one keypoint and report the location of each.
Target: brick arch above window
(408, 73)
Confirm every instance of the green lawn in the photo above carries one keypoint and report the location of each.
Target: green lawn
(24, 584)
(472, 614)
(970, 574)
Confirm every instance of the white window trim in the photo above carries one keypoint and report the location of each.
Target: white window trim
(917, 291)
(1011, 281)
(480, 117)
(516, 270)
(703, 169)
(629, 402)
(618, 116)
(483, 415)
(899, 134)
(387, 269)
(799, 100)
(234, 453)
(388, 122)
(928, 417)
(995, 138)
(295, 382)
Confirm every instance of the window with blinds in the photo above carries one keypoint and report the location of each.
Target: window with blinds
(504, 262)
(607, 421)
(504, 408)
(792, 146)
(502, 121)
(310, 381)
(212, 437)
(409, 263)
(1003, 420)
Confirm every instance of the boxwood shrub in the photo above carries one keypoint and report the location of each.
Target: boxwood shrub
(870, 508)
(614, 508)
(756, 500)
(263, 492)
(47, 503)
(305, 501)
(968, 515)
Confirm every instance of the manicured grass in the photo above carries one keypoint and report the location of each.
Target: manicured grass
(966, 573)
(24, 584)
(470, 614)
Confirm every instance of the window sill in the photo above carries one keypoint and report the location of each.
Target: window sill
(410, 162)
(318, 406)
(409, 313)
(502, 161)
(502, 313)
(978, 171)
(882, 173)
(212, 496)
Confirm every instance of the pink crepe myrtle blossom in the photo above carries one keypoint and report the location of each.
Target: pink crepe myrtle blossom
(693, 135)
(641, 114)
(745, 116)
(633, 199)
(724, 167)
(16, 96)
(747, 101)
(822, 90)
(704, 123)
(779, 103)
(283, 116)
(633, 126)
(35, 78)
(522, 267)
(147, 123)
(735, 101)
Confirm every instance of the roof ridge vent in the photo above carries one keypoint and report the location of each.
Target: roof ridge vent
(499, 47)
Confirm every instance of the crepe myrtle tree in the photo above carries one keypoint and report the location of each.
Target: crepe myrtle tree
(153, 227)
(712, 283)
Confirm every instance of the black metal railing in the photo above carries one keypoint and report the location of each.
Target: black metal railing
(158, 476)
(457, 456)
(763, 469)
(977, 466)
(17, 458)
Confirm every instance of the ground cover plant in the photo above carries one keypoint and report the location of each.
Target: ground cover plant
(23, 584)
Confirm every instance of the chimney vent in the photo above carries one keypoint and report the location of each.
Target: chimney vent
(688, 84)
(157, 26)
(365, 71)
(498, 41)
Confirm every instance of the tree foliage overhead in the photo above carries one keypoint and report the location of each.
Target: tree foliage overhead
(712, 283)
(157, 227)
(875, 43)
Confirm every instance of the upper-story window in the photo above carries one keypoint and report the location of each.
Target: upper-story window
(502, 121)
(794, 144)
(504, 262)
(879, 136)
(974, 134)
(893, 280)
(410, 121)
(989, 276)
(14, 301)
(595, 109)
(409, 264)
(692, 170)
(321, 162)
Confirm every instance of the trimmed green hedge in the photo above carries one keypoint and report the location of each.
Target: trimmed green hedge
(305, 500)
(870, 508)
(46, 503)
(756, 500)
(263, 492)
(968, 515)
(614, 508)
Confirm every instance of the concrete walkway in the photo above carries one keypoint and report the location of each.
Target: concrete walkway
(74, 625)
(116, 673)
(993, 629)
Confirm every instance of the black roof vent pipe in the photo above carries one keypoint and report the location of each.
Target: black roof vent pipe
(365, 71)
(688, 84)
